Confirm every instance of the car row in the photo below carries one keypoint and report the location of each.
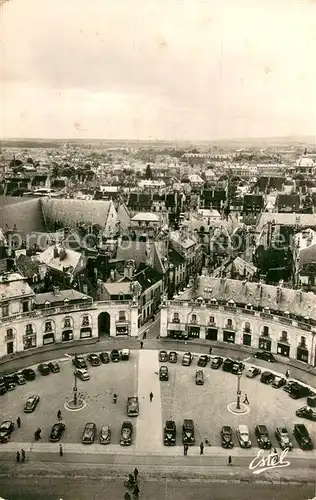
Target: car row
(9, 381)
(94, 359)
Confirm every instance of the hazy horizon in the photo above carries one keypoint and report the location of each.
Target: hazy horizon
(174, 70)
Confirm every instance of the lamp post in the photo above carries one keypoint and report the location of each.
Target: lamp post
(238, 389)
(75, 390)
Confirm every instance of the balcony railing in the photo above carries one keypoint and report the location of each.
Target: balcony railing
(8, 338)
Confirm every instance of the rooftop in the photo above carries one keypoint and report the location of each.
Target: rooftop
(146, 216)
(13, 286)
(59, 296)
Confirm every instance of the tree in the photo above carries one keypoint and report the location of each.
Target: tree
(149, 174)
(30, 160)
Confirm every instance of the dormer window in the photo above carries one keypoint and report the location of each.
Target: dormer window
(231, 303)
(121, 297)
(47, 304)
(66, 302)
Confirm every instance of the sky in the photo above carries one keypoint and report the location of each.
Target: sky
(158, 69)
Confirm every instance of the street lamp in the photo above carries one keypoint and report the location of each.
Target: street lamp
(75, 390)
(238, 388)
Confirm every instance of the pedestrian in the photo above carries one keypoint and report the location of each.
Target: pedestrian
(114, 398)
(230, 460)
(127, 496)
(151, 397)
(23, 455)
(59, 416)
(210, 350)
(61, 451)
(287, 374)
(141, 344)
(38, 434)
(275, 451)
(201, 448)
(246, 400)
(185, 449)
(18, 456)
(136, 490)
(144, 335)
(18, 422)
(135, 473)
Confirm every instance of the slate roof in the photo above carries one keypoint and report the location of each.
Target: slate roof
(134, 250)
(257, 294)
(14, 285)
(147, 276)
(41, 298)
(145, 216)
(289, 219)
(307, 256)
(26, 266)
(70, 260)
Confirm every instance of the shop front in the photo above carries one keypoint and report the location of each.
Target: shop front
(302, 354)
(85, 333)
(193, 332)
(122, 328)
(67, 335)
(211, 333)
(265, 344)
(176, 331)
(246, 339)
(283, 349)
(229, 336)
(48, 338)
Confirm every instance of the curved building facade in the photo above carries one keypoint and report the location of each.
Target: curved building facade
(253, 315)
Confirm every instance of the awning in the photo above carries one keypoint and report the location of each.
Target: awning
(178, 327)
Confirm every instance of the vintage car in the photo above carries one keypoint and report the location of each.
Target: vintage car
(126, 434)
(132, 406)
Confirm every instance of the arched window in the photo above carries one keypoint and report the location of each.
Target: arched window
(247, 327)
(122, 316)
(29, 329)
(284, 336)
(303, 342)
(68, 322)
(86, 320)
(176, 318)
(265, 331)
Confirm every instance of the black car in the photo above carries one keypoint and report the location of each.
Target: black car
(163, 356)
(89, 432)
(216, 362)
(287, 387)
(203, 360)
(237, 367)
(267, 377)
(6, 429)
(188, 432)
(3, 388)
(173, 357)
(19, 378)
(104, 357)
(57, 432)
(283, 438)
(262, 435)
(306, 412)
(302, 437)
(265, 355)
(94, 359)
(227, 437)
(125, 354)
(278, 382)
(228, 364)
(170, 433)
(9, 382)
(163, 373)
(28, 374)
(43, 368)
(115, 356)
(31, 403)
(298, 391)
(79, 362)
(126, 433)
(54, 367)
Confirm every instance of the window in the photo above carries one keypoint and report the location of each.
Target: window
(48, 338)
(284, 337)
(212, 320)
(229, 323)
(25, 306)
(85, 333)
(47, 304)
(29, 329)
(9, 333)
(67, 323)
(303, 342)
(193, 318)
(29, 341)
(122, 316)
(247, 327)
(265, 331)
(85, 320)
(176, 318)
(121, 297)
(5, 310)
(48, 326)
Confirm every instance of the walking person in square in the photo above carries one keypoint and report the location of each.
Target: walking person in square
(61, 451)
(246, 400)
(151, 397)
(136, 490)
(23, 455)
(201, 448)
(18, 456)
(59, 415)
(230, 460)
(135, 474)
(185, 449)
(18, 422)
(141, 344)
(287, 374)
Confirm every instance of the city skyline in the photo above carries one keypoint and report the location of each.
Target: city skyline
(127, 71)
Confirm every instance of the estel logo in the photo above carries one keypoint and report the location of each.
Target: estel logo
(272, 461)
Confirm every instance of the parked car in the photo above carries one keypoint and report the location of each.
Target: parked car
(104, 357)
(262, 435)
(306, 412)
(188, 432)
(29, 374)
(265, 355)
(105, 434)
(237, 367)
(203, 360)
(89, 432)
(227, 437)
(267, 377)
(163, 373)
(54, 367)
(79, 362)
(163, 356)
(170, 433)
(125, 353)
(173, 357)
(82, 374)
(283, 438)
(6, 429)
(3, 388)
(298, 391)
(302, 436)
(94, 359)
(19, 378)
(252, 372)
(132, 406)
(278, 382)
(187, 359)
(9, 382)
(199, 377)
(243, 436)
(287, 387)
(216, 362)
(43, 368)
(31, 403)
(228, 364)
(126, 433)
(115, 355)
(57, 432)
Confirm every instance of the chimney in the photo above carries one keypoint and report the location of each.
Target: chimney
(278, 294)
(129, 269)
(112, 275)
